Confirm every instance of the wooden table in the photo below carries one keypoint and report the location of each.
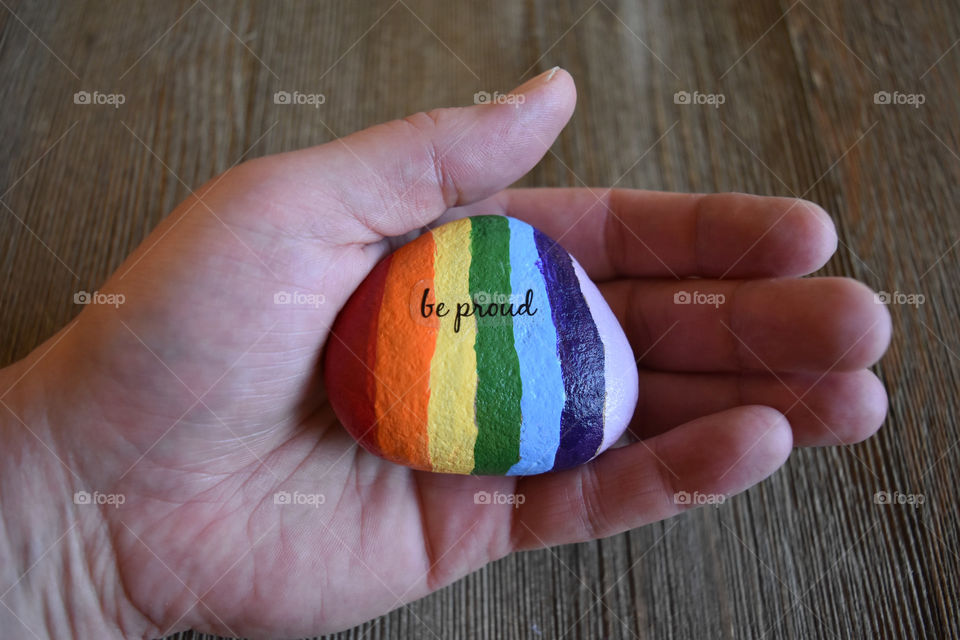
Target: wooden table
(806, 554)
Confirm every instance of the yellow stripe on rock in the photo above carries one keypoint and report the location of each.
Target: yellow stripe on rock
(451, 417)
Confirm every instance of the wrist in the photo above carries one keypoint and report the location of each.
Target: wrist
(58, 576)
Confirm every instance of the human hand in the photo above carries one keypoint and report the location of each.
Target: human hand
(199, 399)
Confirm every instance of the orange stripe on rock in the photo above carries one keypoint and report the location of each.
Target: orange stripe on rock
(405, 345)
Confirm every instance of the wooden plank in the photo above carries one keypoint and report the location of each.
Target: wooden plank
(806, 554)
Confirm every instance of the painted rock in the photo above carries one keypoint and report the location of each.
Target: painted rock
(481, 347)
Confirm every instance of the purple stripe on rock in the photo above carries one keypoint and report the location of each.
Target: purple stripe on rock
(580, 351)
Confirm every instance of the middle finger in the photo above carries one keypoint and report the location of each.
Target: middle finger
(811, 324)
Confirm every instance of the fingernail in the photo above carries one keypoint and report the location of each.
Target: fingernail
(536, 81)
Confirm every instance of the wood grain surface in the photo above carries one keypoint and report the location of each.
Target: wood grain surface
(806, 554)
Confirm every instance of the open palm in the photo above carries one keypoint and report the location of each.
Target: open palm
(248, 510)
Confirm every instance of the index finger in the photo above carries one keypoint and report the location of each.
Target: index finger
(616, 233)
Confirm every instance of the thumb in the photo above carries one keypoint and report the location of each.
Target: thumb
(396, 177)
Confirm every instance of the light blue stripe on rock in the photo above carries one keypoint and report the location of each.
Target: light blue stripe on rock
(535, 340)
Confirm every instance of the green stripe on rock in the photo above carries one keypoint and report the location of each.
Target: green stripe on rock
(499, 385)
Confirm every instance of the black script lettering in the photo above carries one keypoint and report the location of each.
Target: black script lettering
(426, 310)
(468, 309)
(462, 308)
(524, 308)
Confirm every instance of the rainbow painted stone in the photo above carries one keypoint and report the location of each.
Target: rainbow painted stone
(481, 347)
